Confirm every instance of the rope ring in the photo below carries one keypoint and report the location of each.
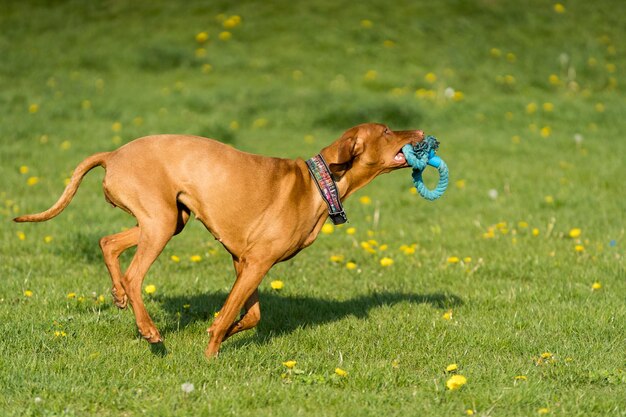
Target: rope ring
(419, 157)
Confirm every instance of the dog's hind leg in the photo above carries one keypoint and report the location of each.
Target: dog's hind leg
(154, 235)
(112, 247)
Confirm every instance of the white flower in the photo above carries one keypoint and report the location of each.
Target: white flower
(493, 193)
(578, 138)
(187, 387)
(449, 92)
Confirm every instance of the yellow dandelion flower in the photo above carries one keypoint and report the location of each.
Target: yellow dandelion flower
(206, 68)
(511, 57)
(413, 190)
(47, 239)
(452, 367)
(545, 131)
(469, 412)
(599, 107)
(336, 258)
(509, 79)
(33, 108)
(453, 260)
(259, 123)
(116, 127)
(408, 250)
(365, 200)
(467, 259)
(28, 293)
(350, 230)
(554, 79)
(548, 107)
(546, 355)
(559, 8)
(290, 364)
(458, 96)
(611, 67)
(366, 23)
(522, 224)
(596, 286)
(495, 52)
(548, 199)
(521, 378)
(71, 295)
(371, 75)
(575, 232)
(535, 232)
(531, 108)
(202, 37)
(383, 247)
(386, 261)
(150, 289)
(579, 248)
(328, 228)
(175, 258)
(200, 52)
(225, 36)
(388, 43)
(232, 22)
(447, 315)
(277, 285)
(216, 314)
(32, 181)
(430, 78)
(543, 410)
(367, 247)
(340, 372)
(351, 266)
(195, 258)
(21, 235)
(456, 382)
(24, 169)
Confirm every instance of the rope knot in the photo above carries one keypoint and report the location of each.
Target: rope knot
(419, 157)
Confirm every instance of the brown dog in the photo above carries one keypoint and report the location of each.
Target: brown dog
(263, 210)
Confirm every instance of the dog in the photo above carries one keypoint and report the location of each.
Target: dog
(263, 210)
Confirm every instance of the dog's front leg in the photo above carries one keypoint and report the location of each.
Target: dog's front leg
(250, 318)
(249, 276)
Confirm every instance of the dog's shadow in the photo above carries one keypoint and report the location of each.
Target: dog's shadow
(284, 314)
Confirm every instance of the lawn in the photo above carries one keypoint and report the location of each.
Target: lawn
(516, 275)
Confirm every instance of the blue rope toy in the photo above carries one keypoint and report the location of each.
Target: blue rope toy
(421, 155)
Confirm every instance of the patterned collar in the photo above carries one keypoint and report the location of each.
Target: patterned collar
(327, 188)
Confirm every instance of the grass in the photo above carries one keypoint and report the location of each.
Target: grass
(77, 78)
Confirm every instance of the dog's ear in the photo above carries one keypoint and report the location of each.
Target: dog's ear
(341, 153)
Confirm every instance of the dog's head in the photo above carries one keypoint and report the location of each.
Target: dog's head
(370, 147)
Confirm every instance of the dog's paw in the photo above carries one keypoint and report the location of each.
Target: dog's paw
(119, 298)
(152, 336)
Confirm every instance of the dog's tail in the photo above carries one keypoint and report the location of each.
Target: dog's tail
(81, 170)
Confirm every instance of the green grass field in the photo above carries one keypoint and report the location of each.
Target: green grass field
(516, 275)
